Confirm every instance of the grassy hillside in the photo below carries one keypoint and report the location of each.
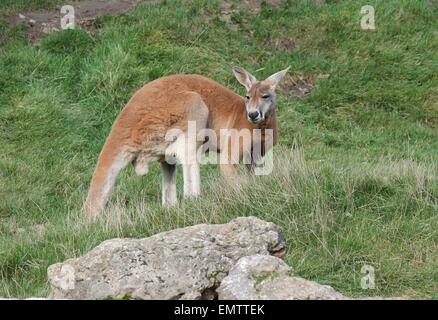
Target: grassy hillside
(355, 180)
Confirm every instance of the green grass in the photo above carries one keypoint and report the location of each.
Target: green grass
(359, 186)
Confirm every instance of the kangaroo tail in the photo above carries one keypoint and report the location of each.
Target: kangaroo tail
(112, 160)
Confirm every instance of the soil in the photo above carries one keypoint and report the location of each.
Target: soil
(284, 44)
(297, 86)
(41, 23)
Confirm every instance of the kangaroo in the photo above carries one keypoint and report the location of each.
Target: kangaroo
(171, 102)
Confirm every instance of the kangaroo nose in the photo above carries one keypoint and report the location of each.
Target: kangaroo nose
(253, 115)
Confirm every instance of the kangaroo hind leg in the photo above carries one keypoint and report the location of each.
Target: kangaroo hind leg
(191, 156)
(169, 196)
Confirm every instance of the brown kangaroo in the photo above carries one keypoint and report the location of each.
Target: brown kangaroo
(138, 135)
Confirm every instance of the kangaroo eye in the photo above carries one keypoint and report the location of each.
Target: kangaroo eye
(265, 96)
(247, 97)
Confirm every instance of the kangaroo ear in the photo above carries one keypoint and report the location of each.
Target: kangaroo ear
(244, 77)
(273, 80)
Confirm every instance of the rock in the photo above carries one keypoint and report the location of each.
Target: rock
(263, 277)
(187, 263)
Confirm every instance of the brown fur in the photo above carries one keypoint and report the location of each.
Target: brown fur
(169, 102)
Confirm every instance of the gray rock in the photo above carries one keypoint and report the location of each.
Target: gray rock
(186, 263)
(262, 277)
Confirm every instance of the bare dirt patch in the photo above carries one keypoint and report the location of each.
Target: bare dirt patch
(284, 44)
(227, 8)
(256, 4)
(248, 5)
(300, 86)
(41, 23)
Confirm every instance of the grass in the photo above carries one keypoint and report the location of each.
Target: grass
(14, 6)
(355, 180)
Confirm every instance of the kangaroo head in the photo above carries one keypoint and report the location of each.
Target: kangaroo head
(260, 95)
